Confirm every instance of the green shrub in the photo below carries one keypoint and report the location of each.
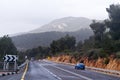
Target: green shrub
(103, 54)
(76, 55)
(95, 54)
(92, 54)
(118, 54)
(106, 61)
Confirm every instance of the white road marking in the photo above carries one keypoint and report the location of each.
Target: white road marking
(51, 73)
(11, 78)
(84, 77)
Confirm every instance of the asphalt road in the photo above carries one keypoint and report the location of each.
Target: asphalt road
(12, 77)
(46, 70)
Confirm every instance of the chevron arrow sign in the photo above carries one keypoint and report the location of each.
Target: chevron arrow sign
(10, 58)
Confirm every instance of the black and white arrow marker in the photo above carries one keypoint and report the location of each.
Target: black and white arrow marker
(10, 58)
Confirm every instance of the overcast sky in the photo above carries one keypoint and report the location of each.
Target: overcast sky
(25, 15)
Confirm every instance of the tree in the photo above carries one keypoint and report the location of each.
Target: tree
(114, 23)
(109, 40)
(79, 46)
(64, 43)
(38, 53)
(70, 42)
(114, 12)
(99, 30)
(7, 46)
(89, 43)
(55, 46)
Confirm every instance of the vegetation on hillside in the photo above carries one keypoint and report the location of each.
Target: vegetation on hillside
(64, 43)
(107, 33)
(33, 40)
(104, 43)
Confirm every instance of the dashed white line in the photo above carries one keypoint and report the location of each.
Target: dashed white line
(84, 77)
(51, 73)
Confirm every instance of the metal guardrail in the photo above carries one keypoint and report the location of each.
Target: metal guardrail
(21, 68)
(11, 66)
(23, 65)
(105, 70)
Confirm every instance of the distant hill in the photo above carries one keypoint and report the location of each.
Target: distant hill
(43, 36)
(66, 24)
(32, 40)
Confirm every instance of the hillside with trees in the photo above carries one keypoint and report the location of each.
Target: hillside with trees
(100, 50)
(34, 40)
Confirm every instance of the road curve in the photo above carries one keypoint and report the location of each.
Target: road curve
(47, 70)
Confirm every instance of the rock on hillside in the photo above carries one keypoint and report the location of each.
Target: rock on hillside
(66, 24)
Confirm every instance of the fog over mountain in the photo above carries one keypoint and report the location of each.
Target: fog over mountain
(43, 36)
(66, 24)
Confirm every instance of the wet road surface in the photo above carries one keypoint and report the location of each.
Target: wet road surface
(47, 70)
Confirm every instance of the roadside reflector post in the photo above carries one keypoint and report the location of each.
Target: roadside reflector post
(4, 66)
(7, 66)
(15, 66)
